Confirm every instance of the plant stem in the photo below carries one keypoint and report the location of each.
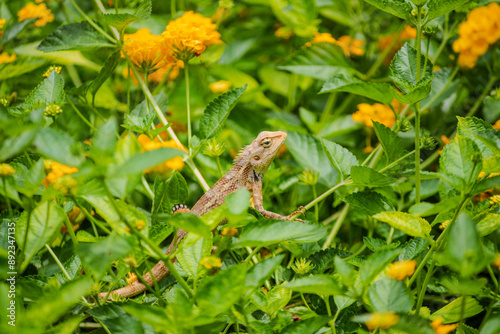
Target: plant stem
(80, 114)
(188, 109)
(485, 91)
(7, 199)
(69, 227)
(221, 172)
(173, 11)
(316, 207)
(92, 23)
(417, 109)
(148, 189)
(336, 227)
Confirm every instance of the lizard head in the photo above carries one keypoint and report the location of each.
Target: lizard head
(264, 148)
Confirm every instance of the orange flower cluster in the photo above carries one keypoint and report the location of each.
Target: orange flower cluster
(189, 36)
(378, 112)
(402, 269)
(6, 170)
(382, 320)
(350, 46)
(2, 23)
(56, 171)
(221, 86)
(439, 328)
(481, 29)
(171, 164)
(496, 126)
(407, 34)
(31, 11)
(5, 58)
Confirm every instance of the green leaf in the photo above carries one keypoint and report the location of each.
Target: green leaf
(104, 140)
(418, 93)
(320, 61)
(464, 251)
(367, 176)
(52, 306)
(455, 311)
(492, 165)
(13, 30)
(437, 8)
(341, 158)
(307, 326)
(104, 73)
(190, 257)
(405, 222)
(404, 70)
(49, 91)
(189, 223)
(322, 285)
(377, 245)
(489, 224)
(98, 256)
(482, 133)
(217, 112)
(375, 264)
(370, 202)
(308, 152)
(13, 146)
(491, 326)
(391, 143)
(412, 248)
(351, 84)
(140, 119)
(218, 293)
(460, 162)
(169, 193)
(58, 146)
(238, 201)
(44, 222)
(121, 21)
(399, 8)
(20, 67)
(116, 320)
(300, 15)
(260, 272)
(141, 161)
(442, 88)
(267, 232)
(74, 36)
(338, 127)
(149, 314)
(387, 295)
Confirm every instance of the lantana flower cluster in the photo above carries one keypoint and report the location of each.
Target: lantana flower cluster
(183, 39)
(171, 164)
(477, 33)
(41, 12)
(367, 113)
(350, 46)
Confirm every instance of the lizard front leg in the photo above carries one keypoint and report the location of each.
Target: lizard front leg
(259, 204)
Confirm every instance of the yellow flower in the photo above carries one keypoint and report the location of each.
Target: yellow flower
(52, 68)
(495, 199)
(6, 170)
(349, 45)
(402, 269)
(496, 126)
(31, 11)
(2, 23)
(140, 224)
(131, 278)
(171, 70)
(382, 320)
(5, 58)
(477, 33)
(171, 164)
(210, 262)
(189, 36)
(284, 32)
(145, 50)
(219, 86)
(56, 171)
(439, 328)
(367, 113)
(229, 231)
(497, 261)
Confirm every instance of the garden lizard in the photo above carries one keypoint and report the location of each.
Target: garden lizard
(248, 172)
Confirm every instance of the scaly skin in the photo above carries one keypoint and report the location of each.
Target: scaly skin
(248, 171)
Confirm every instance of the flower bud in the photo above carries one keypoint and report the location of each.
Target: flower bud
(404, 125)
(428, 143)
(213, 148)
(302, 266)
(309, 177)
(52, 110)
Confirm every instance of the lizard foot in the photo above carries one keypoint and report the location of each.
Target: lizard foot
(300, 211)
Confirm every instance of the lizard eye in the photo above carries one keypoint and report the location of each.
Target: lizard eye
(266, 142)
(256, 158)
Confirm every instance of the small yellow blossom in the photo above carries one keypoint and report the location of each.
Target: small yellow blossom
(210, 262)
(56, 171)
(284, 32)
(6, 170)
(381, 113)
(219, 86)
(497, 261)
(52, 68)
(401, 269)
(2, 23)
(131, 278)
(5, 58)
(171, 164)
(144, 50)
(228, 231)
(65, 184)
(445, 140)
(31, 11)
(349, 45)
(496, 126)
(477, 33)
(382, 320)
(140, 224)
(439, 328)
(189, 36)
(495, 200)
(52, 110)
(445, 224)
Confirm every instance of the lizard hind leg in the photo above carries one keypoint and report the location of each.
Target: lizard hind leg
(179, 208)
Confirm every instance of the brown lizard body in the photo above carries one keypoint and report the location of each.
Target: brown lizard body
(248, 171)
